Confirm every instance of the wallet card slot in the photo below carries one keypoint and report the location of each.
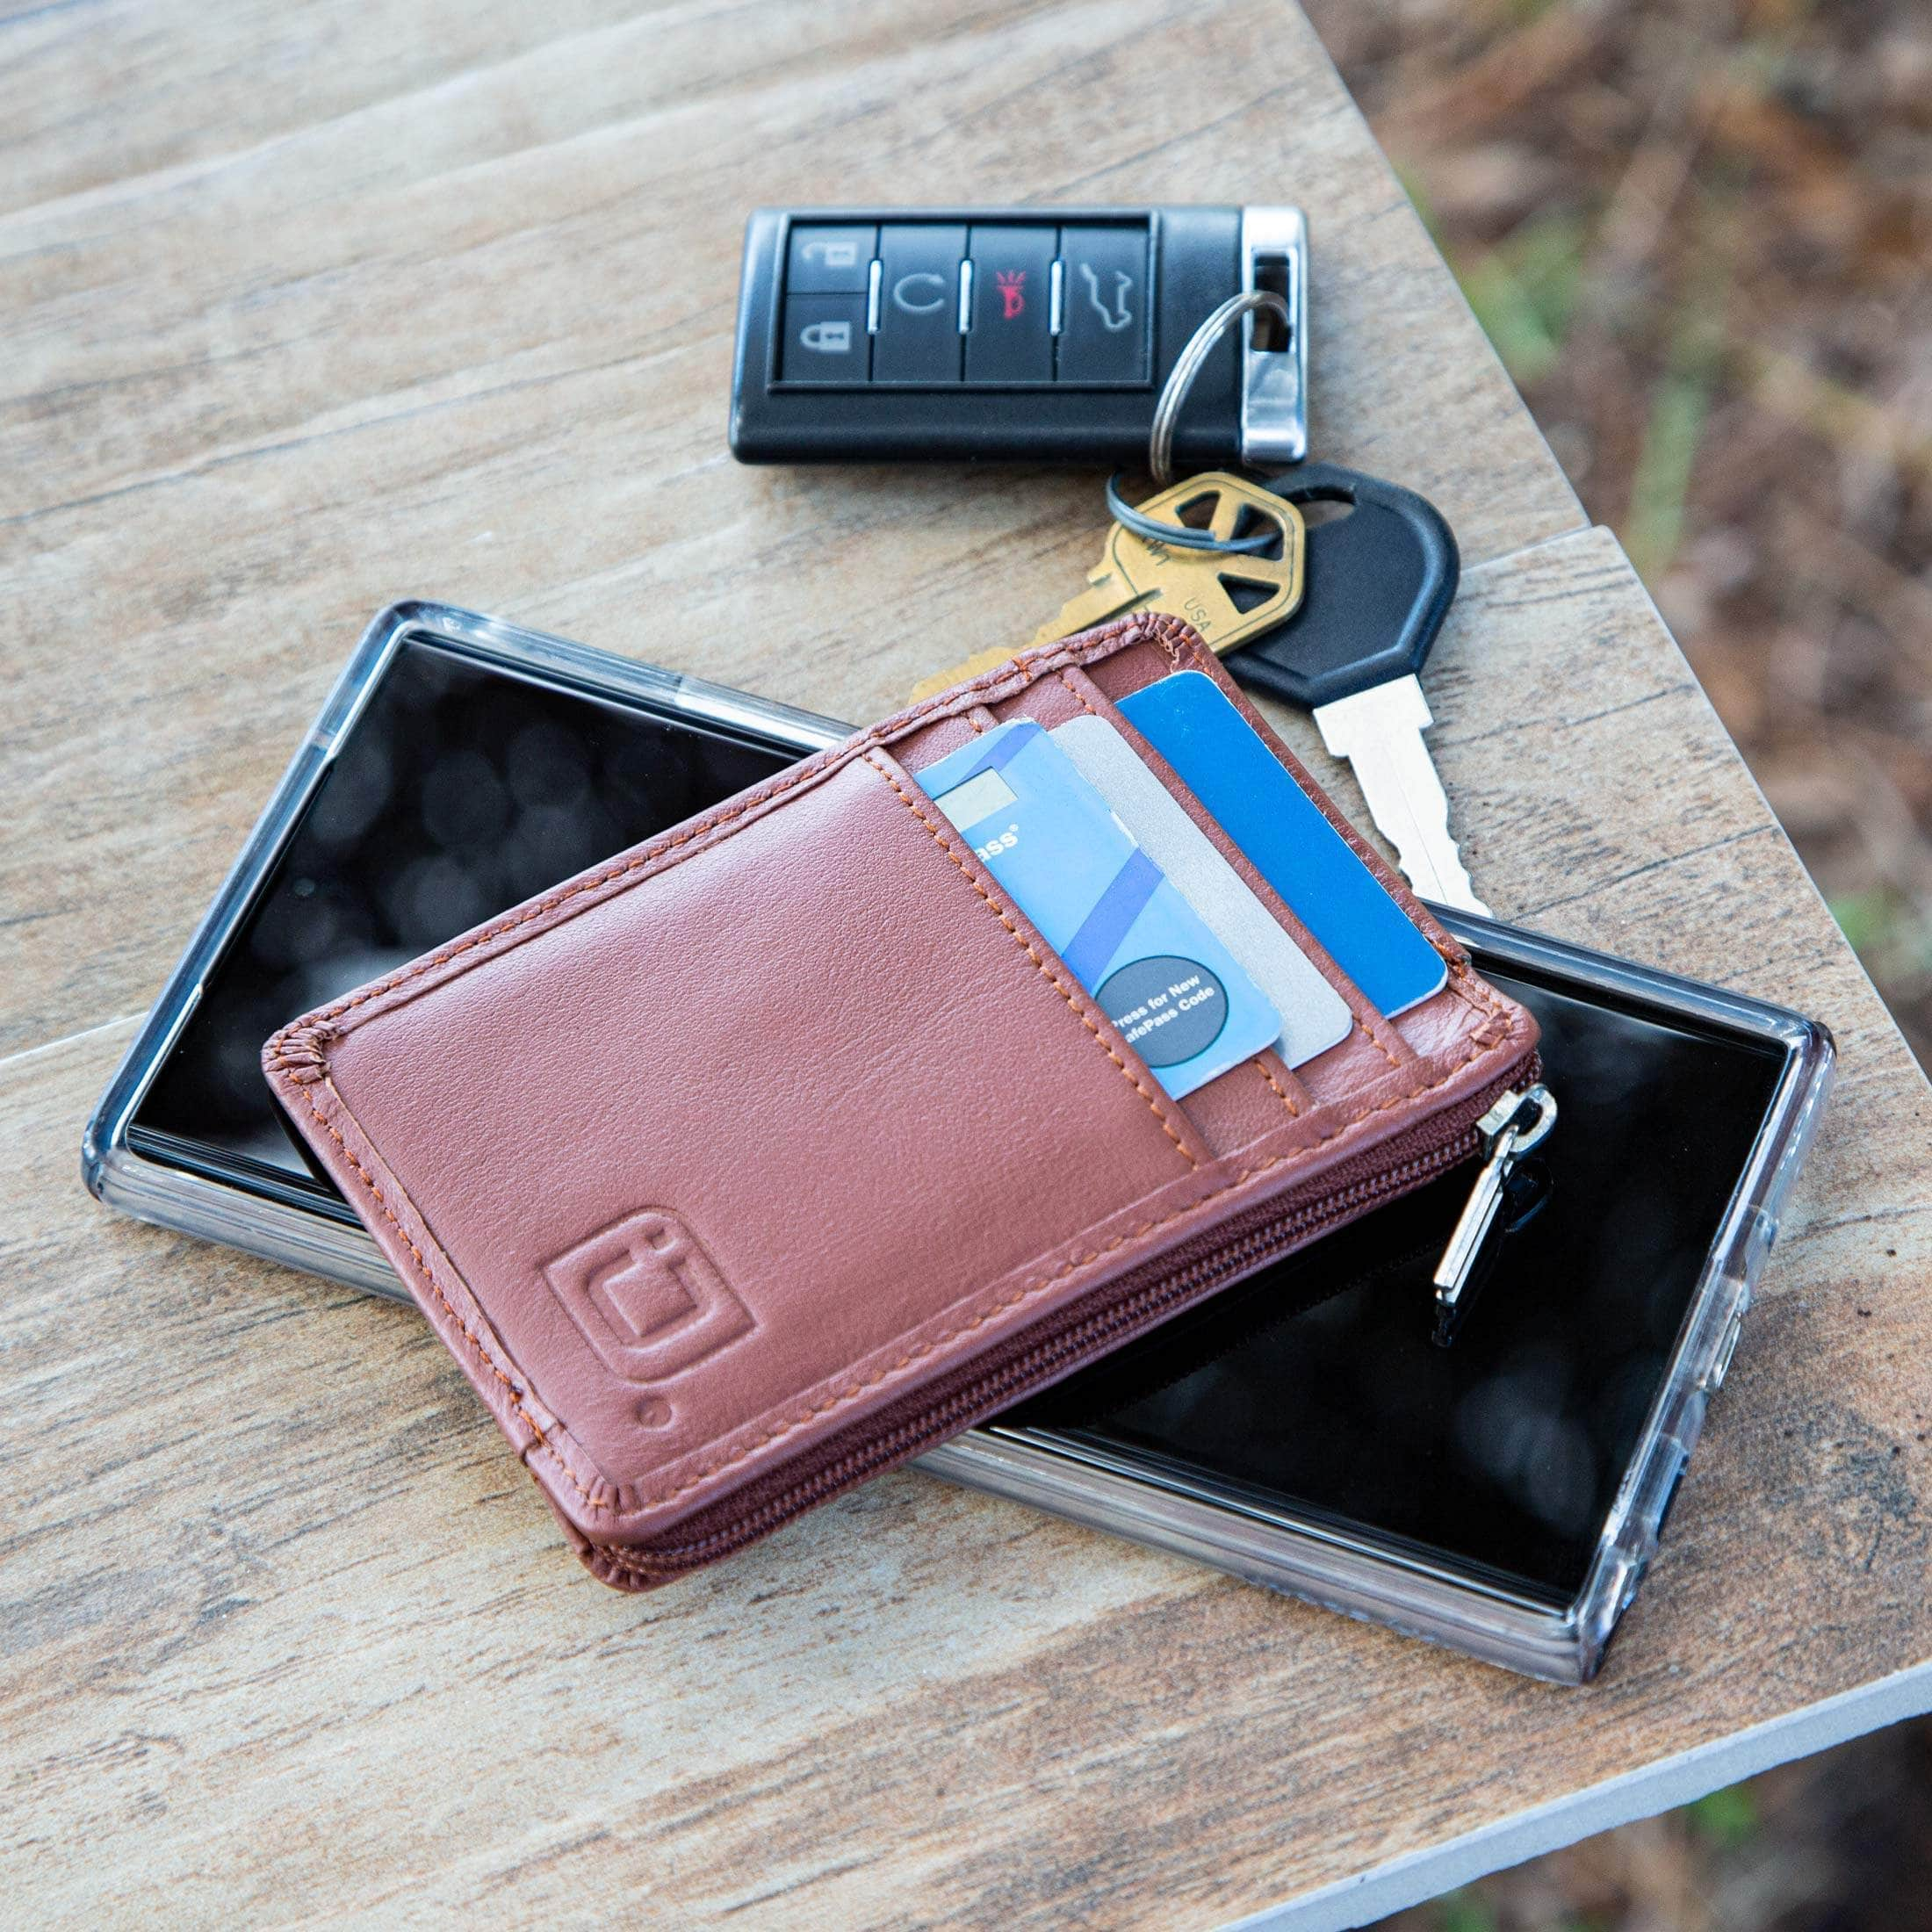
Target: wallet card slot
(1248, 1101)
(1374, 1056)
(1172, 1114)
(921, 754)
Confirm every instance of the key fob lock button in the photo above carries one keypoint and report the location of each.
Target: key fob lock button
(825, 340)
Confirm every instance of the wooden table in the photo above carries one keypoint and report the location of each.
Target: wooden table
(312, 306)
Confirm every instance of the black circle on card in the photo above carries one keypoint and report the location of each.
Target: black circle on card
(1169, 1008)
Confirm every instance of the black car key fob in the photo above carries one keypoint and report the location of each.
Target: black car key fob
(1024, 334)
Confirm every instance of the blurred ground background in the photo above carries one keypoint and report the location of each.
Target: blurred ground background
(1699, 235)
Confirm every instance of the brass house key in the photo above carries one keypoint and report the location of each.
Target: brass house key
(1228, 596)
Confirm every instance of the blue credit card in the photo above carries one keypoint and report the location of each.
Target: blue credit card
(1153, 966)
(1188, 720)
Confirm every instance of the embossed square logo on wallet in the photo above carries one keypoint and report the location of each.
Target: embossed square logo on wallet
(647, 1297)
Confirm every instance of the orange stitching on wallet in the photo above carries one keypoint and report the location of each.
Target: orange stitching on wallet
(1085, 702)
(1374, 1039)
(1174, 636)
(1281, 1093)
(1046, 973)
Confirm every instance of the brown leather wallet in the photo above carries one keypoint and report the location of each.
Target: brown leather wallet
(780, 1147)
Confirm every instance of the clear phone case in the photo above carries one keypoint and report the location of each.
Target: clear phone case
(1269, 1539)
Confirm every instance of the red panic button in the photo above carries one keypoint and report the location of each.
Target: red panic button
(1009, 338)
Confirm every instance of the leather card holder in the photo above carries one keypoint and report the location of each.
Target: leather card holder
(780, 1147)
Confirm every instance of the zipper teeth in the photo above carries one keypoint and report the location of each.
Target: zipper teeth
(1129, 1312)
(1227, 1254)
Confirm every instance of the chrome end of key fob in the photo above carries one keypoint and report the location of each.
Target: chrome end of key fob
(1274, 357)
(1024, 334)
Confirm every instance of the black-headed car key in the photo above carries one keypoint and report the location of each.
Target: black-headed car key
(1027, 334)
(1377, 582)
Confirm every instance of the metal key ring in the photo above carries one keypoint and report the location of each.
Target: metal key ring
(1160, 441)
(1180, 378)
(1179, 535)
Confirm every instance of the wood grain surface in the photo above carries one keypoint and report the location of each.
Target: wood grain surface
(471, 339)
(314, 306)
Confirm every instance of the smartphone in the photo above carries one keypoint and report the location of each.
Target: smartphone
(1304, 1430)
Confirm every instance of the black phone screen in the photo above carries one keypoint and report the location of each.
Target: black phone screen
(464, 787)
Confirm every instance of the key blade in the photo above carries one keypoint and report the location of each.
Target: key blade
(1379, 731)
(1108, 594)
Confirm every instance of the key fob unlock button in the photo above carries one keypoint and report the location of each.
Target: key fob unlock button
(823, 260)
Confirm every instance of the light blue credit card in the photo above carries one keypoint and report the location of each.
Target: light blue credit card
(1174, 990)
(1314, 1016)
(1188, 720)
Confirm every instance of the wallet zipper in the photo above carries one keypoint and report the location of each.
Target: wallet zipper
(1519, 1121)
(1183, 1276)
(1259, 1235)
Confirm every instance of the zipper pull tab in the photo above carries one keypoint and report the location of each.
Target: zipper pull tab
(1517, 1123)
